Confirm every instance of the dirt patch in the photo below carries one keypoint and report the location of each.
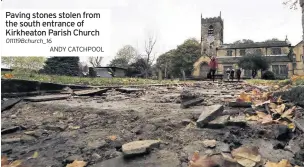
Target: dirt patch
(95, 128)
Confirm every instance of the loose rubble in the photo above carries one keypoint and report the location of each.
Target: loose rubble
(196, 125)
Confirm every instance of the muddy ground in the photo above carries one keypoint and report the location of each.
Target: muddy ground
(93, 129)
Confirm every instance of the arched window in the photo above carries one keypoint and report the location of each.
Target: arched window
(210, 30)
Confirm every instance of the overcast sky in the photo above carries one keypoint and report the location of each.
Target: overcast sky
(173, 21)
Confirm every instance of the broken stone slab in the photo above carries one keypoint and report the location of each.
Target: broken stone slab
(59, 127)
(240, 104)
(139, 147)
(208, 114)
(90, 92)
(239, 120)
(10, 140)
(96, 144)
(209, 143)
(9, 103)
(192, 102)
(161, 158)
(10, 130)
(219, 122)
(47, 98)
(130, 90)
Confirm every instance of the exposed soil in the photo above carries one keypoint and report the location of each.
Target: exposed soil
(81, 128)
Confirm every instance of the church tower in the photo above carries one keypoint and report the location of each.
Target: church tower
(211, 35)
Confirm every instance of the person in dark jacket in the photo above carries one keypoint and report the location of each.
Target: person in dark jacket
(232, 74)
(213, 66)
(238, 74)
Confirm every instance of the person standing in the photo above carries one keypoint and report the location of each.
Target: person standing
(213, 66)
(228, 73)
(238, 74)
(232, 74)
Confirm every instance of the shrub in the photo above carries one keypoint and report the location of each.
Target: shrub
(268, 75)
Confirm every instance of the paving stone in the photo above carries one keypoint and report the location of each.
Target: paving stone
(91, 92)
(139, 147)
(193, 102)
(10, 140)
(47, 98)
(208, 114)
(239, 120)
(161, 158)
(240, 104)
(219, 122)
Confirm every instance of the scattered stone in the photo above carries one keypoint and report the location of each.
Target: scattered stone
(10, 130)
(240, 104)
(208, 114)
(223, 147)
(27, 138)
(7, 104)
(10, 140)
(219, 122)
(47, 98)
(59, 127)
(193, 102)
(67, 90)
(161, 158)
(130, 90)
(239, 120)
(96, 156)
(91, 92)
(139, 147)
(209, 143)
(185, 122)
(187, 95)
(96, 144)
(281, 132)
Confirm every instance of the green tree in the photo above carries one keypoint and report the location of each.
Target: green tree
(165, 63)
(62, 66)
(185, 56)
(128, 53)
(124, 57)
(27, 64)
(243, 41)
(119, 62)
(254, 62)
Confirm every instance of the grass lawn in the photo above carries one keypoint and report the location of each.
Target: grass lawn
(89, 81)
(295, 80)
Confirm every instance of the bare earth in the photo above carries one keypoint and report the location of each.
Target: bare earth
(93, 129)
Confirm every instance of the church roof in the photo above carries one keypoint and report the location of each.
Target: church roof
(235, 59)
(256, 45)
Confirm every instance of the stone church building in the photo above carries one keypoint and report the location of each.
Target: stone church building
(286, 60)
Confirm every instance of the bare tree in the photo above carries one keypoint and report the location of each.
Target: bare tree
(149, 46)
(95, 61)
(292, 3)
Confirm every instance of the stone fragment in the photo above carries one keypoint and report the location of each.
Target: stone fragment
(208, 114)
(192, 102)
(281, 132)
(27, 138)
(240, 104)
(139, 147)
(185, 122)
(10, 140)
(10, 130)
(91, 92)
(239, 120)
(96, 144)
(161, 158)
(58, 127)
(47, 98)
(209, 143)
(219, 122)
